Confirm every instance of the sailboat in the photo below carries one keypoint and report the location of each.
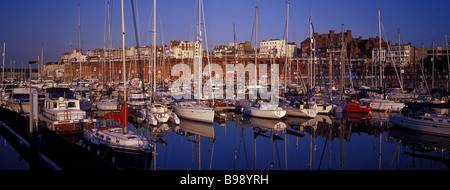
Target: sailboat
(299, 108)
(157, 112)
(112, 132)
(384, 104)
(259, 108)
(422, 119)
(264, 110)
(196, 110)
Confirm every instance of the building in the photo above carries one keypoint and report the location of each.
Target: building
(406, 55)
(276, 48)
(181, 49)
(326, 43)
(428, 52)
(75, 56)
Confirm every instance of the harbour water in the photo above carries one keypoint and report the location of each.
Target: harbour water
(335, 142)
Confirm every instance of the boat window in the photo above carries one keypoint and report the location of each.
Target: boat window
(131, 137)
(55, 105)
(72, 105)
(21, 96)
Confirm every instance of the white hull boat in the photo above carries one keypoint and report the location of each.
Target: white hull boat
(156, 114)
(383, 105)
(19, 100)
(427, 123)
(114, 137)
(194, 111)
(107, 104)
(64, 115)
(309, 111)
(265, 111)
(324, 109)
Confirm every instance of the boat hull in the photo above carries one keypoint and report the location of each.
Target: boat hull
(309, 113)
(20, 107)
(203, 115)
(324, 109)
(270, 114)
(68, 126)
(383, 105)
(357, 109)
(423, 125)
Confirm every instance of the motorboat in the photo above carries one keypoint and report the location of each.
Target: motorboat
(137, 100)
(353, 106)
(63, 114)
(107, 104)
(19, 100)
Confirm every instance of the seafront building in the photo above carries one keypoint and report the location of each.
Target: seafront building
(362, 58)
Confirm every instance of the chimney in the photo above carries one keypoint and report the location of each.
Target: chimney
(349, 33)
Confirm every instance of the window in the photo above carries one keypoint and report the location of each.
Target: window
(72, 105)
(55, 105)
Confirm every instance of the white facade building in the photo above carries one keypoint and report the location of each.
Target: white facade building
(277, 48)
(406, 54)
(181, 49)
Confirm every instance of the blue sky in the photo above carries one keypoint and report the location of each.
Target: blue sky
(26, 24)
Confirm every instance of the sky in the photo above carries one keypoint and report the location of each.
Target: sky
(26, 25)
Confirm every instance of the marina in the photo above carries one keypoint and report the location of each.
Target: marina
(247, 143)
(333, 103)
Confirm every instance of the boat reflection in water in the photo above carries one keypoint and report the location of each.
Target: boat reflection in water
(323, 143)
(421, 147)
(246, 143)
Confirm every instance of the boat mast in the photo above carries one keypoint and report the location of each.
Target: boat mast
(123, 61)
(331, 67)
(41, 65)
(432, 69)
(3, 67)
(311, 55)
(79, 37)
(256, 50)
(400, 61)
(154, 46)
(287, 45)
(379, 43)
(448, 62)
(342, 81)
(109, 43)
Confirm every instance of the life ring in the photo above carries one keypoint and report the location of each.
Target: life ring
(387, 111)
(443, 98)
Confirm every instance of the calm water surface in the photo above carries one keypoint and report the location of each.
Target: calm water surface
(341, 142)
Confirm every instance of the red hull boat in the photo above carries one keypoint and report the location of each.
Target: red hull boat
(357, 107)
